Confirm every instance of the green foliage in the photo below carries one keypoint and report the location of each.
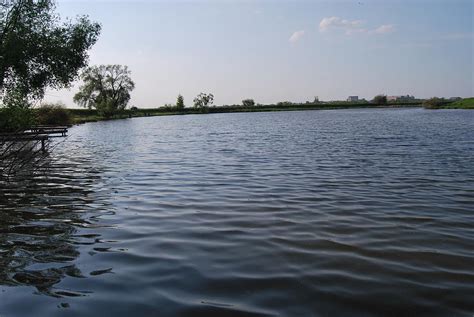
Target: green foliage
(168, 108)
(13, 119)
(106, 88)
(285, 104)
(37, 50)
(15, 114)
(248, 102)
(15, 99)
(467, 103)
(53, 114)
(180, 103)
(380, 100)
(203, 101)
(433, 103)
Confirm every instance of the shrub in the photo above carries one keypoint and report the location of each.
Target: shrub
(285, 104)
(53, 114)
(248, 102)
(380, 100)
(168, 108)
(433, 103)
(14, 119)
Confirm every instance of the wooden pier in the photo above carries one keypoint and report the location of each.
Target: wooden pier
(40, 134)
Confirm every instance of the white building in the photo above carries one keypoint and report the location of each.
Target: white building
(353, 98)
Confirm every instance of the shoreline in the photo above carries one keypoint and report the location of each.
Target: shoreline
(81, 116)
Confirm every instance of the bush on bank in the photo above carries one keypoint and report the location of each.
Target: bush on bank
(53, 114)
(14, 119)
(433, 103)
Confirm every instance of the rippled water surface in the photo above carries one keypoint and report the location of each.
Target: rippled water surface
(317, 213)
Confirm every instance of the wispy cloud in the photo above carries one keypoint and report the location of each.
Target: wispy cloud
(296, 36)
(350, 27)
(384, 29)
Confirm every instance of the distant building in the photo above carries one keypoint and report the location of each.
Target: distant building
(353, 98)
(455, 98)
(401, 98)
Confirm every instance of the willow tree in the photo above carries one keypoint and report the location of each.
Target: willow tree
(203, 101)
(106, 88)
(38, 50)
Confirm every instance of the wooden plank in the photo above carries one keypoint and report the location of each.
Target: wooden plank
(31, 133)
(50, 126)
(62, 131)
(20, 138)
(49, 129)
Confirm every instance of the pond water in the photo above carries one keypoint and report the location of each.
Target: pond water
(313, 213)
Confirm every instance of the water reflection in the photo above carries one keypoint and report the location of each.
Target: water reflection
(42, 211)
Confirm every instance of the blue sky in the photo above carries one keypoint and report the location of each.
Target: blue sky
(283, 50)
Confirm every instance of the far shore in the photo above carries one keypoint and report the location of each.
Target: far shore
(90, 115)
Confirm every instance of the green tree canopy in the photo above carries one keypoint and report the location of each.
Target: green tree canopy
(380, 100)
(106, 88)
(433, 103)
(248, 102)
(203, 100)
(38, 51)
(180, 103)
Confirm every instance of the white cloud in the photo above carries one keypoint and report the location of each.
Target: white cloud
(349, 26)
(295, 37)
(384, 29)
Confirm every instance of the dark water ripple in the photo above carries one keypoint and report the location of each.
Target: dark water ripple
(319, 213)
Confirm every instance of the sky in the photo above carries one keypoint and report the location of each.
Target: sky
(276, 50)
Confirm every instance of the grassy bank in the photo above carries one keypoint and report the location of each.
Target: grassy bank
(86, 115)
(57, 114)
(441, 103)
(467, 103)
